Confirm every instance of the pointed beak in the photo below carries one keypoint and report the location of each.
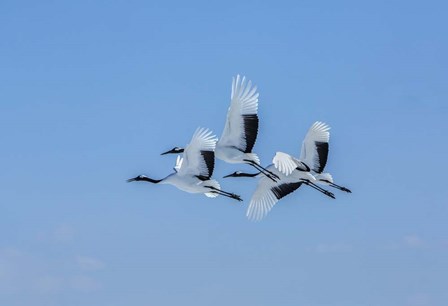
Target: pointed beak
(130, 180)
(228, 175)
(167, 152)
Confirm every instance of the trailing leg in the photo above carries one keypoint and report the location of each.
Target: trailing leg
(274, 177)
(324, 191)
(340, 187)
(224, 193)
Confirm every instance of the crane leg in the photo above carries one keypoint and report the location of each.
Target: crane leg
(274, 177)
(324, 191)
(224, 193)
(340, 187)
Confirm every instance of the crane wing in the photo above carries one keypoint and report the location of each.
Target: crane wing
(241, 126)
(286, 163)
(199, 155)
(267, 194)
(315, 147)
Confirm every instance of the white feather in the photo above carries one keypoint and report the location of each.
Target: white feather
(285, 163)
(244, 101)
(318, 132)
(263, 199)
(193, 162)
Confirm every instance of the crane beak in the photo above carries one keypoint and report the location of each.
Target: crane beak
(228, 175)
(131, 179)
(167, 152)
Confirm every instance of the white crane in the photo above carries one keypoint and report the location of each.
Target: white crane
(293, 172)
(313, 156)
(194, 170)
(268, 193)
(241, 128)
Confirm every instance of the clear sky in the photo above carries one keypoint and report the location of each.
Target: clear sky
(91, 92)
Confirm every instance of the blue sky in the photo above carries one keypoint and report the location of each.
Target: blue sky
(92, 92)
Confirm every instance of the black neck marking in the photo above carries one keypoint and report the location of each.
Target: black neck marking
(147, 179)
(242, 174)
(249, 174)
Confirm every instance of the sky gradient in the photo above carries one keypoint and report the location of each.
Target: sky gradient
(92, 92)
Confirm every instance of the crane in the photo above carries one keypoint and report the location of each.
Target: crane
(241, 128)
(194, 170)
(313, 156)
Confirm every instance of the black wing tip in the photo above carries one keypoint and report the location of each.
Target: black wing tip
(250, 131)
(209, 158)
(322, 153)
(283, 190)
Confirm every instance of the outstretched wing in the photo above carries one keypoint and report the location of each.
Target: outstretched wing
(267, 194)
(241, 126)
(199, 155)
(315, 147)
(286, 163)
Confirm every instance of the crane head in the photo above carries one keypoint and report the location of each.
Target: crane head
(175, 150)
(137, 178)
(144, 178)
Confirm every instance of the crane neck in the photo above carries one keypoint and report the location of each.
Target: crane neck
(249, 174)
(150, 180)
